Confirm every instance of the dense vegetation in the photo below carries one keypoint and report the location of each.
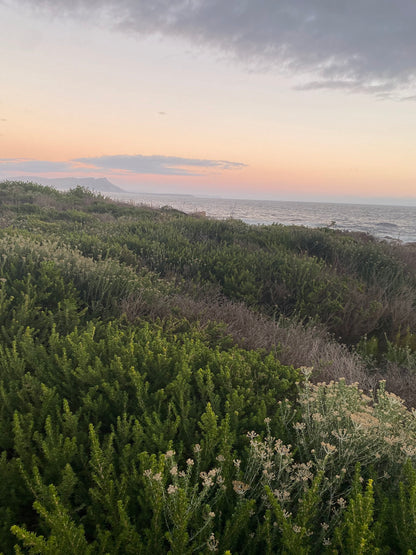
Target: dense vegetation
(172, 383)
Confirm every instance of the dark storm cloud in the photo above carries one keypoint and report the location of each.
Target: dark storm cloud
(356, 45)
(160, 165)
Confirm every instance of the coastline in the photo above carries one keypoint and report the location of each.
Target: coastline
(392, 223)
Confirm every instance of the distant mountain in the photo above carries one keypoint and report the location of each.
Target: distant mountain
(99, 184)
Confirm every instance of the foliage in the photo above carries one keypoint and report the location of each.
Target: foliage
(137, 414)
(353, 284)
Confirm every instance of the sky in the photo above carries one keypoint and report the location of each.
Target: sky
(280, 99)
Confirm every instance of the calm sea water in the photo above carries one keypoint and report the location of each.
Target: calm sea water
(392, 222)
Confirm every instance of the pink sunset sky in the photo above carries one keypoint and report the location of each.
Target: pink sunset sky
(299, 99)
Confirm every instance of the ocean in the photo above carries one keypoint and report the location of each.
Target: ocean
(385, 222)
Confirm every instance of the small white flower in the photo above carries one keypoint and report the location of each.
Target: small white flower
(212, 543)
(297, 529)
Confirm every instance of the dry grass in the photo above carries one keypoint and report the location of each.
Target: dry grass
(293, 342)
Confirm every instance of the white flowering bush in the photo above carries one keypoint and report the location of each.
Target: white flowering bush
(338, 420)
(187, 498)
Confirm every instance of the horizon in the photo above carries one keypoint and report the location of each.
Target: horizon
(365, 201)
(409, 202)
(273, 100)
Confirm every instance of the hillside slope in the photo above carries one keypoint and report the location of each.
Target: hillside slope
(156, 385)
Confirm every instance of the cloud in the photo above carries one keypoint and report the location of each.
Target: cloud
(158, 165)
(34, 166)
(137, 164)
(359, 45)
(382, 90)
